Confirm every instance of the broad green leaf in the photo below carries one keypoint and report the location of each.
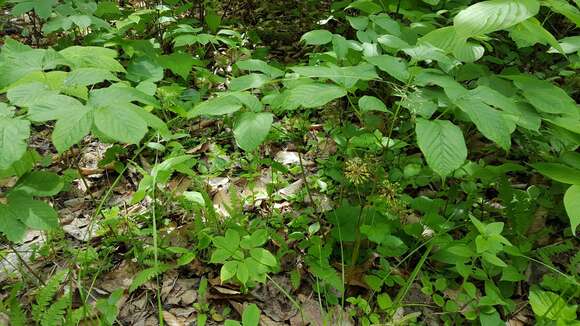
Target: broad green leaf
(545, 96)
(228, 270)
(194, 197)
(118, 94)
(256, 239)
(40, 183)
(387, 23)
(179, 63)
(559, 172)
(18, 60)
(54, 107)
(358, 22)
(92, 57)
(251, 315)
(29, 94)
(494, 15)
(489, 121)
(14, 133)
(143, 68)
(340, 45)
(367, 6)
(443, 145)
(245, 82)
(520, 113)
(444, 38)
(420, 103)
(10, 225)
(220, 255)
(568, 44)
(345, 76)
(428, 52)
(70, 130)
(263, 256)
(243, 273)
(493, 259)
(564, 8)
(312, 95)
(393, 66)
(89, 76)
(317, 37)
(56, 81)
(35, 214)
(260, 66)
(550, 305)
(371, 103)
(571, 158)
(251, 129)
(572, 205)
(220, 105)
(530, 32)
(393, 42)
(452, 88)
(468, 51)
(120, 124)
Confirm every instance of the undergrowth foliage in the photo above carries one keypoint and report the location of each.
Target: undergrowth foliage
(455, 173)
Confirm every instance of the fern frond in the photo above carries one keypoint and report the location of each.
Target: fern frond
(147, 274)
(555, 249)
(15, 313)
(54, 316)
(46, 294)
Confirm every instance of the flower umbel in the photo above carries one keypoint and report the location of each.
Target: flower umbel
(356, 170)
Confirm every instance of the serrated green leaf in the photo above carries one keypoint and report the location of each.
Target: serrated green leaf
(251, 129)
(10, 225)
(489, 121)
(70, 130)
(120, 124)
(545, 96)
(14, 133)
(179, 63)
(40, 183)
(88, 76)
(494, 15)
(443, 145)
(92, 57)
(35, 214)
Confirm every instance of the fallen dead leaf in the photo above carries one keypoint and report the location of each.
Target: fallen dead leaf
(170, 319)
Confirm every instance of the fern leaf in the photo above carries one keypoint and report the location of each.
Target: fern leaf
(15, 313)
(54, 316)
(46, 294)
(147, 274)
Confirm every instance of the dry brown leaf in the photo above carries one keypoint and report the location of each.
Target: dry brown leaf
(170, 319)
